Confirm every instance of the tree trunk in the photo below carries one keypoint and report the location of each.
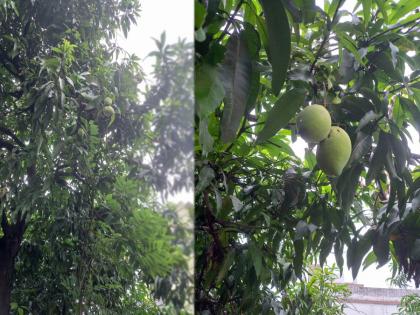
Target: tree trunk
(6, 271)
(9, 247)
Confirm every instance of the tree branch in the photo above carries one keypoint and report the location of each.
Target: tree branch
(325, 39)
(415, 21)
(10, 133)
(230, 21)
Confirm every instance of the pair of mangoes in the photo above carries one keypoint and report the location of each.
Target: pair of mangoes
(334, 144)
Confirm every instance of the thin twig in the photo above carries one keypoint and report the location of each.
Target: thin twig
(393, 28)
(327, 35)
(230, 21)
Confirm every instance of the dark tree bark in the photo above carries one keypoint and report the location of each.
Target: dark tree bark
(9, 247)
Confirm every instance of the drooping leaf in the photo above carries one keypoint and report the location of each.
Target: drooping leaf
(359, 250)
(347, 185)
(209, 91)
(362, 146)
(281, 113)
(236, 70)
(377, 161)
(381, 246)
(279, 45)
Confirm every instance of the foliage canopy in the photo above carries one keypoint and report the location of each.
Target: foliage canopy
(80, 165)
(262, 212)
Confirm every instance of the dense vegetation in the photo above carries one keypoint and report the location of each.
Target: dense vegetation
(83, 159)
(263, 214)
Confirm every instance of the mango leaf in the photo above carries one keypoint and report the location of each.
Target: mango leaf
(205, 139)
(358, 251)
(355, 107)
(200, 14)
(227, 262)
(378, 158)
(368, 119)
(236, 73)
(326, 247)
(338, 253)
(367, 6)
(383, 61)
(383, 9)
(347, 185)
(409, 106)
(361, 147)
(209, 91)
(298, 258)
(381, 246)
(279, 45)
(256, 255)
(402, 8)
(281, 113)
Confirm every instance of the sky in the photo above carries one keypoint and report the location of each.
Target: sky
(176, 18)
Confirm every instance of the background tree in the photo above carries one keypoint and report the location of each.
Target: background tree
(410, 305)
(80, 230)
(319, 294)
(262, 213)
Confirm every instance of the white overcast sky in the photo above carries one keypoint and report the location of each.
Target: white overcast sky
(176, 18)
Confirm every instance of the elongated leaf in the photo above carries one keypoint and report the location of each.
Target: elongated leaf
(227, 262)
(257, 258)
(279, 45)
(284, 109)
(381, 247)
(403, 7)
(347, 185)
(361, 147)
(237, 70)
(377, 161)
(326, 247)
(209, 91)
(355, 107)
(367, 6)
(298, 258)
(359, 250)
(383, 61)
(411, 107)
(368, 119)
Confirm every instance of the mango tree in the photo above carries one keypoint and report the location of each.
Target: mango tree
(263, 213)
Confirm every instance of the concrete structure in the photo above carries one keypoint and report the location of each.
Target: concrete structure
(374, 301)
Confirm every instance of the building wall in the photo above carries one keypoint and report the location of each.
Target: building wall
(374, 301)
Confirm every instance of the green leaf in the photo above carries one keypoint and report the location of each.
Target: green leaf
(377, 161)
(279, 45)
(209, 91)
(281, 113)
(204, 178)
(326, 247)
(402, 8)
(227, 262)
(367, 6)
(359, 250)
(383, 61)
(298, 257)
(200, 14)
(369, 260)
(347, 185)
(382, 8)
(338, 252)
(236, 70)
(361, 147)
(381, 247)
(409, 106)
(355, 107)
(205, 139)
(256, 256)
(349, 44)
